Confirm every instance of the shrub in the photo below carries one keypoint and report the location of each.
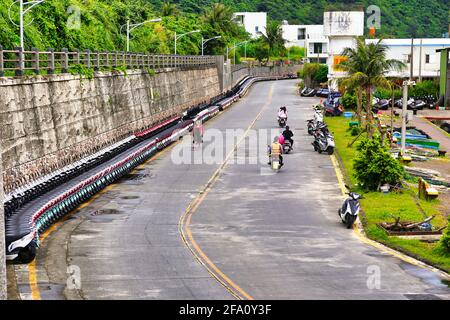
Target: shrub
(387, 93)
(314, 73)
(374, 166)
(321, 75)
(349, 100)
(355, 130)
(425, 88)
(445, 240)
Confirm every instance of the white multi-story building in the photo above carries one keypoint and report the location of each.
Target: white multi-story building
(310, 37)
(426, 61)
(253, 22)
(325, 43)
(341, 28)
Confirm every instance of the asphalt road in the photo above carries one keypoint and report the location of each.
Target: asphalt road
(272, 236)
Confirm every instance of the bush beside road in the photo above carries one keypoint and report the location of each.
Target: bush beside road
(379, 207)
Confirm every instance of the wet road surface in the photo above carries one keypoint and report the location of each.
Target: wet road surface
(275, 236)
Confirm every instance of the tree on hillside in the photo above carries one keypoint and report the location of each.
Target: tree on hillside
(169, 9)
(219, 21)
(367, 67)
(273, 37)
(219, 15)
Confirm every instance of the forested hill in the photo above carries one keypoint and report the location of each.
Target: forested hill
(400, 18)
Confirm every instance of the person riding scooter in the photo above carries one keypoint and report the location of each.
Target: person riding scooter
(276, 149)
(288, 134)
(282, 113)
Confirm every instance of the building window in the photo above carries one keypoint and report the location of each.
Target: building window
(317, 47)
(256, 29)
(301, 34)
(427, 58)
(408, 59)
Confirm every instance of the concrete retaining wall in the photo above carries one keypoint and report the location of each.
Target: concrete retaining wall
(47, 122)
(50, 121)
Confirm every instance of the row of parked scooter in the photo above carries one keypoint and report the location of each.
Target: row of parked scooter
(414, 103)
(323, 139)
(332, 103)
(311, 92)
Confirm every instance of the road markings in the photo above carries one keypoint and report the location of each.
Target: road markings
(33, 280)
(339, 175)
(185, 219)
(359, 232)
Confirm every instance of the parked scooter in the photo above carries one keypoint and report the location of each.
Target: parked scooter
(350, 209)
(308, 92)
(311, 126)
(323, 140)
(382, 104)
(412, 104)
(333, 106)
(318, 118)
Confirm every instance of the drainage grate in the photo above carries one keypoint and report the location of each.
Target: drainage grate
(102, 212)
(129, 197)
(136, 176)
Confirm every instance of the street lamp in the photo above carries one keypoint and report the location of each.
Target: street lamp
(207, 40)
(289, 50)
(22, 13)
(182, 35)
(131, 27)
(234, 48)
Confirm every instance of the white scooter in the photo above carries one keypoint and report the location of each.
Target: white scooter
(282, 120)
(350, 209)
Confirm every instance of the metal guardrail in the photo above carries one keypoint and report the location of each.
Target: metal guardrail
(19, 62)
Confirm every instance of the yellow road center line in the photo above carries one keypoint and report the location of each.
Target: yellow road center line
(185, 219)
(33, 280)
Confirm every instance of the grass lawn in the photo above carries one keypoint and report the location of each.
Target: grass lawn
(379, 207)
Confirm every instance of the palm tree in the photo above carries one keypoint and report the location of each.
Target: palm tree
(274, 36)
(218, 15)
(169, 9)
(367, 67)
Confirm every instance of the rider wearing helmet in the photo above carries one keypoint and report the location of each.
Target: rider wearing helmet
(276, 149)
(288, 134)
(282, 113)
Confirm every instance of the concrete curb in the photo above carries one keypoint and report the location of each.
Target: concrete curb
(360, 233)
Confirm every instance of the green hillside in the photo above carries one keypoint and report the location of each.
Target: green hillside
(428, 18)
(101, 22)
(101, 27)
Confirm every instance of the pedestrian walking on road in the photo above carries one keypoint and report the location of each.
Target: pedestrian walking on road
(197, 133)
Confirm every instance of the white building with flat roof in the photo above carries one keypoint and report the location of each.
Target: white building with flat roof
(310, 37)
(426, 61)
(341, 28)
(253, 22)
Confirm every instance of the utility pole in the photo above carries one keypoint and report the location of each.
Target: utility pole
(406, 84)
(411, 76)
(420, 61)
